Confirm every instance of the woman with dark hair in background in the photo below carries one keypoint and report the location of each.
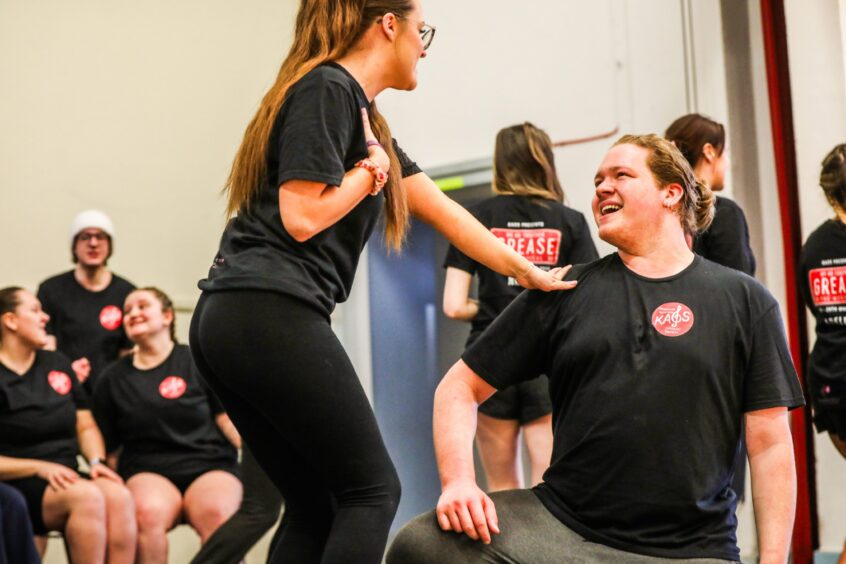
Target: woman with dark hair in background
(166, 434)
(702, 141)
(44, 423)
(529, 215)
(822, 267)
(307, 187)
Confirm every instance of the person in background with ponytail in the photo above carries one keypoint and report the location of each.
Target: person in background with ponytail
(45, 422)
(528, 213)
(822, 277)
(702, 141)
(653, 360)
(315, 169)
(165, 432)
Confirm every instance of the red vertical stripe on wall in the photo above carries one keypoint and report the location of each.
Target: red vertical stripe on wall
(781, 114)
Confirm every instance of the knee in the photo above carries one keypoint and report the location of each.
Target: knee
(151, 516)
(121, 510)
(412, 542)
(87, 499)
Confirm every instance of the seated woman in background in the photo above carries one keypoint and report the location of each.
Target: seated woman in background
(165, 432)
(822, 272)
(528, 214)
(44, 423)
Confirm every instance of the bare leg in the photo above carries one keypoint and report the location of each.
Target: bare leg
(210, 500)
(80, 511)
(158, 505)
(120, 522)
(498, 442)
(538, 437)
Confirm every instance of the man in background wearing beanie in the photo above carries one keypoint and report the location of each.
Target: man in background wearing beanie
(86, 304)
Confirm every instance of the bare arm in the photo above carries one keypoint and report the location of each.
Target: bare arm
(228, 429)
(92, 445)
(773, 471)
(458, 225)
(462, 507)
(457, 301)
(306, 208)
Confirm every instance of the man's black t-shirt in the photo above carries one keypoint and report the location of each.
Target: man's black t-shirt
(38, 410)
(162, 418)
(649, 379)
(318, 136)
(86, 324)
(822, 267)
(547, 233)
(726, 241)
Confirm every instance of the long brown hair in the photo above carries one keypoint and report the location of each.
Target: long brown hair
(524, 164)
(325, 31)
(690, 133)
(669, 166)
(833, 178)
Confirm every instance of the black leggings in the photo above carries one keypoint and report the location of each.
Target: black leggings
(292, 392)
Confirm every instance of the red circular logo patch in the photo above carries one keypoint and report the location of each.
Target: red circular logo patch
(172, 387)
(672, 319)
(60, 382)
(110, 317)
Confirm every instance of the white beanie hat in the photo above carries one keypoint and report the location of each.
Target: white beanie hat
(91, 218)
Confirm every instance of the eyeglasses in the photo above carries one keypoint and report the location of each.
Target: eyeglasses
(95, 236)
(426, 31)
(427, 34)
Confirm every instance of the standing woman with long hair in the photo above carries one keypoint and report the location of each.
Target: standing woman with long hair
(822, 267)
(529, 215)
(702, 141)
(315, 168)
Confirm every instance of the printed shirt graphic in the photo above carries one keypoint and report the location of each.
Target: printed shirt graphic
(60, 382)
(540, 246)
(111, 317)
(172, 387)
(672, 319)
(828, 285)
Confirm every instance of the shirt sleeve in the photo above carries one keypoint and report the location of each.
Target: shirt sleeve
(409, 167)
(727, 240)
(103, 408)
(771, 379)
(515, 347)
(583, 249)
(316, 131)
(456, 259)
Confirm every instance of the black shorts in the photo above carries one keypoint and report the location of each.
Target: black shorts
(828, 398)
(183, 480)
(524, 402)
(33, 489)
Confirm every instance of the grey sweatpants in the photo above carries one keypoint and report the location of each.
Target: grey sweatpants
(530, 535)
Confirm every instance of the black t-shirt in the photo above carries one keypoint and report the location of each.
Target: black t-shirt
(822, 268)
(85, 323)
(649, 379)
(38, 410)
(726, 241)
(547, 233)
(318, 136)
(163, 418)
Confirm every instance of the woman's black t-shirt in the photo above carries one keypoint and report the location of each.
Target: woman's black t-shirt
(547, 233)
(726, 241)
(318, 136)
(38, 410)
(822, 267)
(649, 381)
(162, 419)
